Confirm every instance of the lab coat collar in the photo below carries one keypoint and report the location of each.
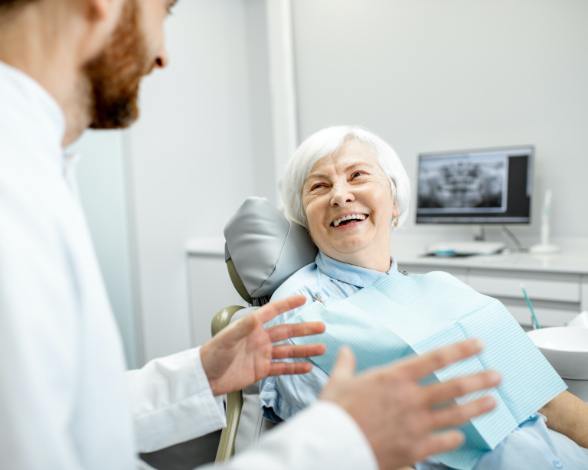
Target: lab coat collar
(70, 163)
(28, 103)
(350, 274)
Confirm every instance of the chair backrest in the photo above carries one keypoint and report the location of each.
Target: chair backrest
(262, 249)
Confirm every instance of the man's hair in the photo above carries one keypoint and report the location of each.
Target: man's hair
(10, 4)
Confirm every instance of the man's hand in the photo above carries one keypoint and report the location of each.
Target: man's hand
(399, 417)
(242, 353)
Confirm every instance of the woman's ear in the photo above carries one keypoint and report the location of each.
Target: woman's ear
(395, 215)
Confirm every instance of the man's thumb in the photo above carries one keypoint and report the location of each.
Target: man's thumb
(344, 367)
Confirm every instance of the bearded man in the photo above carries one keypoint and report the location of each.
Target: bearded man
(66, 65)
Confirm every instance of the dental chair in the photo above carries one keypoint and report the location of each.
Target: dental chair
(262, 250)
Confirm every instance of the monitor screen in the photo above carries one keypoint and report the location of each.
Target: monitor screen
(486, 186)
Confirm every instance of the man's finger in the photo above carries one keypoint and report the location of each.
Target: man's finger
(456, 415)
(290, 351)
(442, 392)
(438, 443)
(344, 367)
(419, 367)
(273, 309)
(289, 368)
(292, 330)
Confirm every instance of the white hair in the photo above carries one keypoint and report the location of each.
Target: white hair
(327, 141)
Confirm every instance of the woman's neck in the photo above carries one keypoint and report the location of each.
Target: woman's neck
(376, 260)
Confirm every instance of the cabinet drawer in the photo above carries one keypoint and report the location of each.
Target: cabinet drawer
(548, 313)
(539, 286)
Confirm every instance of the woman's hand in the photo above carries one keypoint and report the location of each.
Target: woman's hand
(568, 415)
(244, 353)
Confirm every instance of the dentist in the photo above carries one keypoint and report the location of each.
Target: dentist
(65, 400)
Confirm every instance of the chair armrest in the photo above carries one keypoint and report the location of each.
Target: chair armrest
(223, 317)
(226, 446)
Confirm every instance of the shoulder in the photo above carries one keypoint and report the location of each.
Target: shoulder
(37, 289)
(443, 277)
(439, 280)
(34, 250)
(27, 221)
(304, 281)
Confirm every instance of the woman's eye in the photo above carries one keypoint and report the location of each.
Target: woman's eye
(357, 174)
(317, 186)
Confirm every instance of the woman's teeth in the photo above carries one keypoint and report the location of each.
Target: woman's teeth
(347, 218)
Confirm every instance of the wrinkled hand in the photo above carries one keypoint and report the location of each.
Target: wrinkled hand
(243, 353)
(401, 418)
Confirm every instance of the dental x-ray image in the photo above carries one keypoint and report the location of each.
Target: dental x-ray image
(463, 183)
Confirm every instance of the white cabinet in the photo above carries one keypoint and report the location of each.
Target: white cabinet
(539, 286)
(557, 294)
(557, 285)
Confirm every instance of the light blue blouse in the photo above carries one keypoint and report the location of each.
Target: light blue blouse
(532, 445)
(324, 280)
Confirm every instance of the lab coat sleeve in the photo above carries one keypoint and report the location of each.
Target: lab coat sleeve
(322, 436)
(171, 401)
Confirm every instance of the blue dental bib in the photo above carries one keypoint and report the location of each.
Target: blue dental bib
(399, 316)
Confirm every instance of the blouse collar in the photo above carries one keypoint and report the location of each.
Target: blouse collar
(350, 274)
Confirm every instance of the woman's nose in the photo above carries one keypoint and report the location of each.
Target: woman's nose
(341, 196)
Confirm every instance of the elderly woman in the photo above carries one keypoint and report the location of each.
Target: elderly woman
(349, 189)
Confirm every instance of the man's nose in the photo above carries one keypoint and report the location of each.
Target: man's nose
(341, 196)
(162, 59)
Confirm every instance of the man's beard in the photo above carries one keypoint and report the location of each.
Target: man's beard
(115, 74)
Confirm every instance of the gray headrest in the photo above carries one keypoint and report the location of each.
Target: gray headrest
(265, 247)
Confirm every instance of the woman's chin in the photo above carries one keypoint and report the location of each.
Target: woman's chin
(349, 248)
(352, 239)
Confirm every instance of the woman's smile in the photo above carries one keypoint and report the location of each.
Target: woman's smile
(348, 220)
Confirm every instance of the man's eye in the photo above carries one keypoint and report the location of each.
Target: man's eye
(170, 7)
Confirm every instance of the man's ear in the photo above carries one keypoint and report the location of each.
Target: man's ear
(101, 18)
(98, 10)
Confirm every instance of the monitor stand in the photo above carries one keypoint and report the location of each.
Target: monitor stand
(477, 247)
(479, 233)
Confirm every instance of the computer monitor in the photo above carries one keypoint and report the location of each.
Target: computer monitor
(485, 186)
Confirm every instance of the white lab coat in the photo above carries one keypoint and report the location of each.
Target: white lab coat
(63, 389)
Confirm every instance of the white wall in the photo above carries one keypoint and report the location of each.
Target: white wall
(202, 145)
(101, 177)
(425, 74)
(433, 75)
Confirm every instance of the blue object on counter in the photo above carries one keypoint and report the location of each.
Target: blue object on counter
(534, 320)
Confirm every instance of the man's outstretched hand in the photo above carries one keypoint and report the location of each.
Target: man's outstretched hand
(404, 420)
(244, 353)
